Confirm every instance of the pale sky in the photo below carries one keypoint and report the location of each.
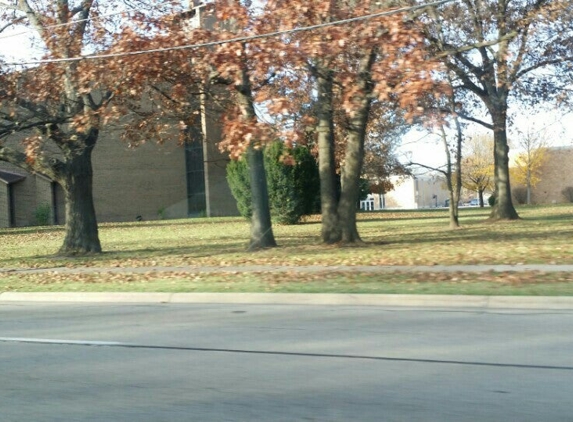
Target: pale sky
(427, 149)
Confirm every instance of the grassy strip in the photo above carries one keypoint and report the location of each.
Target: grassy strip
(491, 283)
(543, 236)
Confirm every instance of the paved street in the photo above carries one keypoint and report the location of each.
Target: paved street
(181, 362)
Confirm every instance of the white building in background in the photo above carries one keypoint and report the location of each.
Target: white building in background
(410, 192)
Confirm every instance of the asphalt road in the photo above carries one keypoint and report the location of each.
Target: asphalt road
(283, 363)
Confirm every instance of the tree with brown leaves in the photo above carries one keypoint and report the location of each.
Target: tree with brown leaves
(379, 58)
(51, 111)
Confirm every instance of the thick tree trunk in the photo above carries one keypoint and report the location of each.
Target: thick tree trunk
(503, 208)
(350, 190)
(328, 191)
(354, 156)
(261, 227)
(81, 224)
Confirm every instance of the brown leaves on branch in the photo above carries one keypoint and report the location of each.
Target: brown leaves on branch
(164, 85)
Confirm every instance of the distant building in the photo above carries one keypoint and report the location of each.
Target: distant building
(410, 192)
(555, 175)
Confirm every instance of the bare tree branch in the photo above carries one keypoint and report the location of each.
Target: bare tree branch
(12, 23)
(542, 64)
(438, 169)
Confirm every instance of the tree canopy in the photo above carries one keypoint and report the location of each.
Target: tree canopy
(52, 110)
(496, 49)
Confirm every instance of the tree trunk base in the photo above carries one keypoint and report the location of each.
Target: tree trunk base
(331, 237)
(260, 245)
(493, 219)
(509, 215)
(352, 242)
(92, 247)
(80, 250)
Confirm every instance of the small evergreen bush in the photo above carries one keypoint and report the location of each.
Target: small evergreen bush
(42, 214)
(520, 195)
(568, 193)
(240, 184)
(294, 190)
(284, 196)
(307, 180)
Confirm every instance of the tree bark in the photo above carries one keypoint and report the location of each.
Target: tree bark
(503, 208)
(81, 225)
(350, 191)
(453, 209)
(454, 191)
(529, 180)
(261, 227)
(481, 201)
(354, 157)
(330, 230)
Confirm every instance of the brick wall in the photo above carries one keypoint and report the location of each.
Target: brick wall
(556, 174)
(145, 181)
(149, 181)
(4, 206)
(24, 198)
(220, 200)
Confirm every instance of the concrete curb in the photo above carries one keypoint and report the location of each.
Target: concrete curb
(396, 300)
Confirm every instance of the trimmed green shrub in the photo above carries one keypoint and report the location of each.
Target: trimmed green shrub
(568, 193)
(42, 214)
(520, 195)
(284, 199)
(294, 190)
(240, 184)
(491, 200)
(307, 180)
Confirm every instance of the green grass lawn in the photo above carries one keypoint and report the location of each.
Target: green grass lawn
(543, 235)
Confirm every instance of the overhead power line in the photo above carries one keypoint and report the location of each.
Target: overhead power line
(232, 40)
(73, 22)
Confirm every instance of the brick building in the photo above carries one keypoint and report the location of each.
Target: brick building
(555, 175)
(149, 182)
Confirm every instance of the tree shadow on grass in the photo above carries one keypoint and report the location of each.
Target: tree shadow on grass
(555, 217)
(30, 230)
(178, 222)
(190, 252)
(381, 219)
(480, 237)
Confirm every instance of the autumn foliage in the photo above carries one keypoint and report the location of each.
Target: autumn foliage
(157, 76)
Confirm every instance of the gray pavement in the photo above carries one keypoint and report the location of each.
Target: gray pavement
(232, 362)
